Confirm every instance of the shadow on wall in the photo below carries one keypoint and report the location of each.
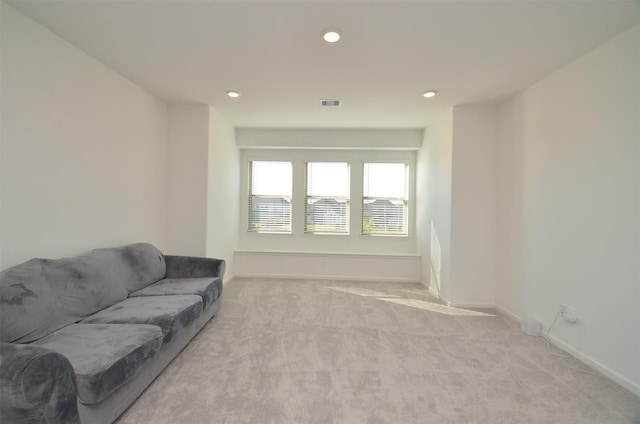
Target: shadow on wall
(436, 261)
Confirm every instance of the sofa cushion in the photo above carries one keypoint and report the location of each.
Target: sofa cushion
(104, 357)
(138, 264)
(207, 288)
(43, 295)
(170, 313)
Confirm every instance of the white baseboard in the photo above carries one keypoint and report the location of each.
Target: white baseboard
(621, 380)
(324, 277)
(508, 313)
(473, 305)
(440, 297)
(437, 295)
(424, 284)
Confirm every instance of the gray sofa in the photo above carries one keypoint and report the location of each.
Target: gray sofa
(82, 337)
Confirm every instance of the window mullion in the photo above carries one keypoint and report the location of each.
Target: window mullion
(356, 198)
(298, 204)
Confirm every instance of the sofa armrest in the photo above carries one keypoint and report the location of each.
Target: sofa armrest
(194, 267)
(36, 385)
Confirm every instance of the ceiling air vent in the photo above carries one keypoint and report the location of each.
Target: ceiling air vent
(331, 103)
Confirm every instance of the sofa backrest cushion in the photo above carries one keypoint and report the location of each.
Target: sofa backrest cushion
(44, 295)
(138, 265)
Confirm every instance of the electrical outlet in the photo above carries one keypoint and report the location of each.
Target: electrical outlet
(568, 314)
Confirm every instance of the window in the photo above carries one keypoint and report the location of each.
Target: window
(327, 198)
(385, 199)
(270, 192)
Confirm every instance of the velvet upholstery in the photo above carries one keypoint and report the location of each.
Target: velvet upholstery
(209, 289)
(92, 349)
(170, 313)
(36, 385)
(43, 295)
(194, 267)
(104, 356)
(140, 264)
(109, 409)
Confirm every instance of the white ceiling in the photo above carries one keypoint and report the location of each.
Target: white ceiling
(272, 52)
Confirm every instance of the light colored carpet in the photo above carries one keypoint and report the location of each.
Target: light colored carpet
(293, 351)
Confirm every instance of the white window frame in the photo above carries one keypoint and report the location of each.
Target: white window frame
(404, 200)
(341, 199)
(299, 240)
(251, 197)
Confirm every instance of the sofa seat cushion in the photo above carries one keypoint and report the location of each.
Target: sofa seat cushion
(104, 357)
(170, 313)
(207, 288)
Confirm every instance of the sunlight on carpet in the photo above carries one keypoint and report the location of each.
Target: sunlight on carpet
(436, 307)
(362, 292)
(413, 303)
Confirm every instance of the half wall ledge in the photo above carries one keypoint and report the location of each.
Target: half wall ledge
(328, 266)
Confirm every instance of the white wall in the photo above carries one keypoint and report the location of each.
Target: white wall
(84, 151)
(473, 205)
(510, 211)
(204, 195)
(334, 266)
(569, 205)
(188, 163)
(423, 220)
(324, 138)
(434, 167)
(223, 192)
(456, 198)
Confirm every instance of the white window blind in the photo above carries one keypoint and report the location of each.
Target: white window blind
(327, 198)
(270, 192)
(385, 199)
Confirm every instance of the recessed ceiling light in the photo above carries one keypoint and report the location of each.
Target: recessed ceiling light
(233, 94)
(331, 36)
(429, 93)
